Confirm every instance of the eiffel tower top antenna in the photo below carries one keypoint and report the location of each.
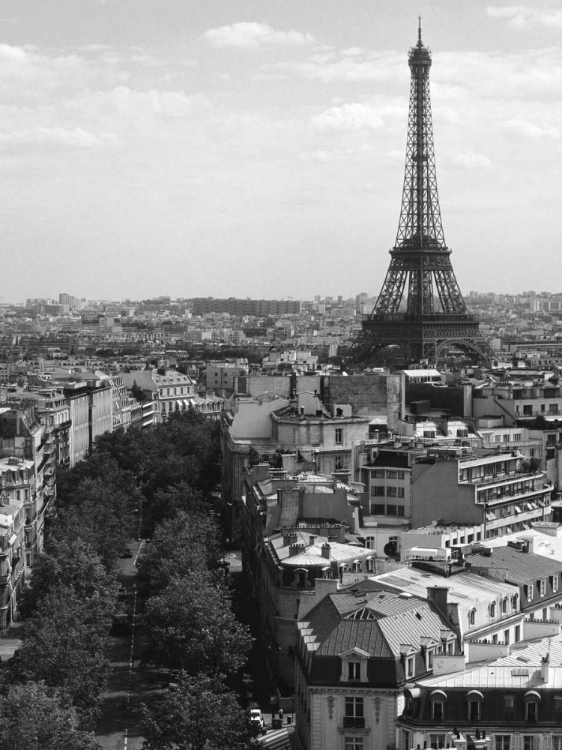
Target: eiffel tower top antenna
(419, 32)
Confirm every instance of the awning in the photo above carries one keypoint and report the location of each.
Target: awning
(438, 694)
(472, 694)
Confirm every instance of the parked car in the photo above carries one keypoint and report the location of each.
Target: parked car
(256, 720)
(120, 623)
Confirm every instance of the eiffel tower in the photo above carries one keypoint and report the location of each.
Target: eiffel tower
(434, 317)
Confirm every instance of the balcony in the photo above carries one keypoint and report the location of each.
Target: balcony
(354, 722)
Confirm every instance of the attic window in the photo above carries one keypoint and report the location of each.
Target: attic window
(418, 615)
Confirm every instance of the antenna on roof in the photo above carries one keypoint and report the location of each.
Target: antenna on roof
(419, 32)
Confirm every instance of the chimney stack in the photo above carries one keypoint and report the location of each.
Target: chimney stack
(326, 550)
(438, 595)
(545, 668)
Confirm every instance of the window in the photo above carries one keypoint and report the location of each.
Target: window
(410, 666)
(354, 670)
(514, 602)
(517, 636)
(557, 742)
(429, 658)
(531, 711)
(391, 492)
(400, 491)
(378, 473)
(530, 742)
(378, 509)
(502, 741)
(542, 587)
(527, 410)
(400, 510)
(506, 637)
(472, 617)
(400, 475)
(473, 713)
(554, 584)
(339, 436)
(437, 710)
(529, 591)
(354, 713)
(558, 708)
(338, 463)
(391, 475)
(377, 491)
(354, 743)
(493, 611)
(437, 740)
(391, 510)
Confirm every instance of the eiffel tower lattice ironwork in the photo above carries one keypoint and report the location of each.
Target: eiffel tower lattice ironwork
(434, 317)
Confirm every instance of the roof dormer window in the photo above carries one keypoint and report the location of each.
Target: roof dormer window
(354, 665)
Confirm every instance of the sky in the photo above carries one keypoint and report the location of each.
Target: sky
(256, 147)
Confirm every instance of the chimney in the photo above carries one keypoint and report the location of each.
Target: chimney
(295, 549)
(545, 671)
(438, 596)
(288, 537)
(326, 551)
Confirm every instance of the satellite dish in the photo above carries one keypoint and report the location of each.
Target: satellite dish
(391, 549)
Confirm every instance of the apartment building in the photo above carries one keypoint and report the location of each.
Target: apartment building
(496, 490)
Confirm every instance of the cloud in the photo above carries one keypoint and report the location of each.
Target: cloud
(252, 35)
(355, 116)
(469, 160)
(521, 16)
(75, 138)
(527, 129)
(325, 157)
(331, 68)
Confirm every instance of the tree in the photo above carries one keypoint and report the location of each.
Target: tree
(32, 717)
(181, 545)
(98, 516)
(137, 392)
(72, 564)
(199, 713)
(191, 626)
(63, 646)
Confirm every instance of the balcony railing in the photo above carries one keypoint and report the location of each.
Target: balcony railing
(354, 722)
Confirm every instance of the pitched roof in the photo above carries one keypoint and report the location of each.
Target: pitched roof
(521, 566)
(378, 622)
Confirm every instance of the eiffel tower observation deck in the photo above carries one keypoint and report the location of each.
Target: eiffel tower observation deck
(420, 307)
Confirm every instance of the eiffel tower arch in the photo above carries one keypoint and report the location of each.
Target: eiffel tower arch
(420, 307)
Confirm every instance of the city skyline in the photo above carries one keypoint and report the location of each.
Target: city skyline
(250, 149)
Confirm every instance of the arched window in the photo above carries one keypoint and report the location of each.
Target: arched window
(474, 700)
(438, 698)
(357, 567)
(327, 573)
(514, 602)
(472, 617)
(300, 579)
(370, 563)
(493, 611)
(504, 605)
(532, 699)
